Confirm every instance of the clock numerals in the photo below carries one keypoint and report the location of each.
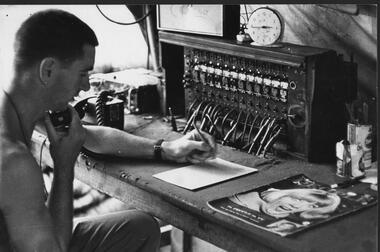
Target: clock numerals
(264, 26)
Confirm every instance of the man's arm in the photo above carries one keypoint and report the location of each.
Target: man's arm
(106, 140)
(64, 149)
(29, 222)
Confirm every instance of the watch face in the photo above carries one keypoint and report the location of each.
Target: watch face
(264, 26)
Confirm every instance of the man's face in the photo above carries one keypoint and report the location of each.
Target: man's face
(71, 78)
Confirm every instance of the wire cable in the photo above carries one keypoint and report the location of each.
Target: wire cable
(215, 118)
(267, 133)
(192, 118)
(250, 132)
(262, 127)
(212, 124)
(123, 23)
(232, 130)
(204, 113)
(271, 140)
(225, 119)
(244, 129)
(192, 105)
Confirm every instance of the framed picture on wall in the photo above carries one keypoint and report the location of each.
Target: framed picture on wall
(214, 20)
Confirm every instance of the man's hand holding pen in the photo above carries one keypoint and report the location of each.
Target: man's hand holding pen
(196, 146)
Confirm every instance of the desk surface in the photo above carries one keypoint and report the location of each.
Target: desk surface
(132, 182)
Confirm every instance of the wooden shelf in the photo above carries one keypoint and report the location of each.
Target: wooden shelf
(285, 54)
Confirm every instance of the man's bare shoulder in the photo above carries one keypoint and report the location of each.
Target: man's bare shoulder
(13, 152)
(20, 176)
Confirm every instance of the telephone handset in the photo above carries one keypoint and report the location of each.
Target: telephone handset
(109, 111)
(61, 119)
(107, 107)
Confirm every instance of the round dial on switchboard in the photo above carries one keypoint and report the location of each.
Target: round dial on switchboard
(264, 27)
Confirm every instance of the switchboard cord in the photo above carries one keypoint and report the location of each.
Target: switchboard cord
(215, 118)
(227, 115)
(261, 129)
(272, 140)
(236, 127)
(100, 106)
(214, 111)
(270, 127)
(123, 23)
(249, 142)
(205, 111)
(191, 108)
(209, 116)
(241, 137)
(210, 121)
(232, 130)
(250, 132)
(192, 118)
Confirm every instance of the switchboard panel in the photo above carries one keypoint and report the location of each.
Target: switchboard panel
(285, 99)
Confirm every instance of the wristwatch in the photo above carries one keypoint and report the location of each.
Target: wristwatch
(158, 149)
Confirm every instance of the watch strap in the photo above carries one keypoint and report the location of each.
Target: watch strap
(158, 149)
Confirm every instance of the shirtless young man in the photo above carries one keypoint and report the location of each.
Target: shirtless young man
(54, 51)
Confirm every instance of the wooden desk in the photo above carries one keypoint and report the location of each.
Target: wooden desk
(131, 181)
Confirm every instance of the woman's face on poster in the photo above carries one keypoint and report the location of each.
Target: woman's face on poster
(309, 203)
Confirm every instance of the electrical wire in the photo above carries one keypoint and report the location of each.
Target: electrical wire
(214, 110)
(242, 134)
(192, 105)
(205, 112)
(192, 117)
(270, 128)
(246, 12)
(225, 119)
(262, 127)
(122, 23)
(232, 130)
(215, 118)
(212, 124)
(271, 140)
(250, 131)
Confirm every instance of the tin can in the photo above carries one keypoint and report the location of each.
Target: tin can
(348, 158)
(361, 135)
(356, 167)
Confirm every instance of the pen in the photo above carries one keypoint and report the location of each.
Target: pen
(201, 135)
(347, 183)
(172, 120)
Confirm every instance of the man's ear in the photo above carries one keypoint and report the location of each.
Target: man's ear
(47, 66)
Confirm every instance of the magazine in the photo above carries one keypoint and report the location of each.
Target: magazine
(293, 204)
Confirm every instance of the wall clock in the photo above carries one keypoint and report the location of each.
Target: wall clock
(265, 27)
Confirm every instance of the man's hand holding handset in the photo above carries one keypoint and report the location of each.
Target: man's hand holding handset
(65, 142)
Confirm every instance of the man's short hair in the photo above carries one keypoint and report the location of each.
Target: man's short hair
(51, 33)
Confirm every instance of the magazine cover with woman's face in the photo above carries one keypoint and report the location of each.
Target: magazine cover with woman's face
(293, 204)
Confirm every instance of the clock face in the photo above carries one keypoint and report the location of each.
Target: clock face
(264, 26)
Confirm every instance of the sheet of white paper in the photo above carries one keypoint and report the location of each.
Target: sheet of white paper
(196, 176)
